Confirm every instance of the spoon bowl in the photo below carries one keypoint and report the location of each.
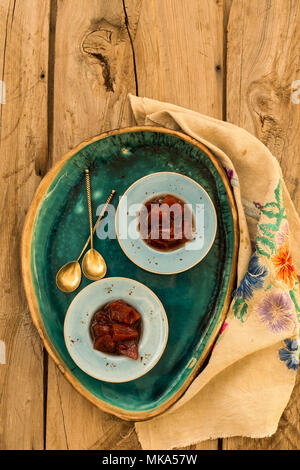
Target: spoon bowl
(93, 265)
(68, 277)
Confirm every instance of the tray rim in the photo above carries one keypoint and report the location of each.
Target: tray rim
(29, 286)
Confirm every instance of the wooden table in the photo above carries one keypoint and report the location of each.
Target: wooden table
(67, 67)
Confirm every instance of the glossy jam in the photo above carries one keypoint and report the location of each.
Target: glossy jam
(116, 329)
(167, 223)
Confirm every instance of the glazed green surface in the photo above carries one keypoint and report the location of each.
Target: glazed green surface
(193, 300)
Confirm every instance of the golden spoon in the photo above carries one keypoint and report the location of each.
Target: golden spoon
(93, 264)
(69, 276)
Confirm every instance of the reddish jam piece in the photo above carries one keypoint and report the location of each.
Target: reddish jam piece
(105, 343)
(116, 329)
(166, 224)
(123, 313)
(170, 200)
(101, 330)
(102, 319)
(123, 332)
(129, 349)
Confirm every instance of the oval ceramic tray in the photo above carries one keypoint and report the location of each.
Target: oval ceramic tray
(195, 301)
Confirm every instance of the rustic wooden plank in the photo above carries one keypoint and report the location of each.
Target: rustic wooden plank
(179, 54)
(73, 423)
(227, 7)
(93, 72)
(24, 28)
(263, 62)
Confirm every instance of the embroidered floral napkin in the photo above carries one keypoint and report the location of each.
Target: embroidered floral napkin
(251, 373)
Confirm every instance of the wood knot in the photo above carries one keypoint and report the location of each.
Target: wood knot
(101, 44)
(269, 101)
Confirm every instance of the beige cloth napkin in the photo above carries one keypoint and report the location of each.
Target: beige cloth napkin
(251, 373)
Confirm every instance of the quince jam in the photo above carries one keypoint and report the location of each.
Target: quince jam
(116, 329)
(166, 222)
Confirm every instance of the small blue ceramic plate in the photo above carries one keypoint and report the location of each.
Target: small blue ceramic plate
(127, 223)
(111, 367)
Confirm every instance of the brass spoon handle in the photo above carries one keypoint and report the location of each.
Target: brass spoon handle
(89, 201)
(98, 221)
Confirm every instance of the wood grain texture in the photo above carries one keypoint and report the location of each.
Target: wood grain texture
(182, 64)
(262, 64)
(23, 150)
(93, 73)
(73, 423)
(67, 71)
(93, 70)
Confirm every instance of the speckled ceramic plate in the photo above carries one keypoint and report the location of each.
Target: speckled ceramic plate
(127, 222)
(195, 301)
(111, 367)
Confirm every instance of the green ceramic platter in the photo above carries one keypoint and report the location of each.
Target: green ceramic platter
(195, 301)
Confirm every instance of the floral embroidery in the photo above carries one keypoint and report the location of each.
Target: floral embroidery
(258, 206)
(272, 242)
(225, 324)
(294, 296)
(229, 173)
(253, 279)
(277, 308)
(240, 309)
(290, 354)
(276, 311)
(251, 210)
(232, 177)
(282, 236)
(283, 263)
(265, 241)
